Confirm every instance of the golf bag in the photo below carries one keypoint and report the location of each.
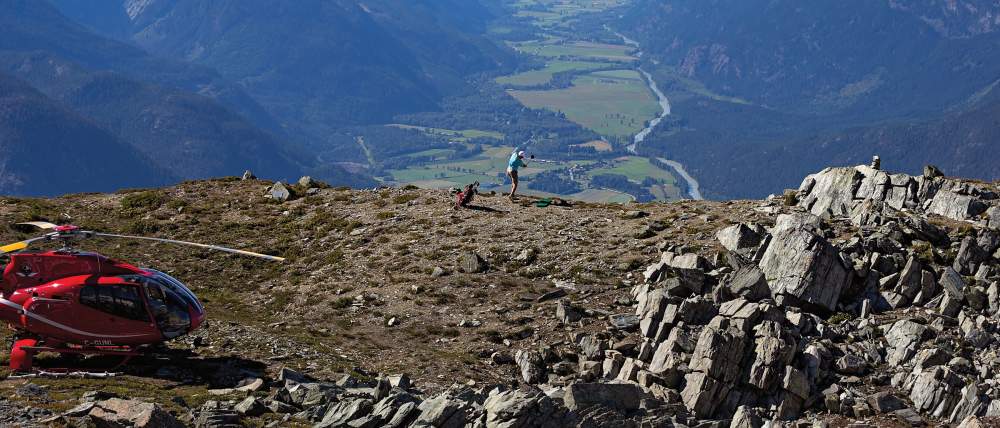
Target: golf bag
(464, 198)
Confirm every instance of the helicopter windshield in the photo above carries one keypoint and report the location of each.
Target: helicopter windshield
(169, 301)
(179, 288)
(169, 309)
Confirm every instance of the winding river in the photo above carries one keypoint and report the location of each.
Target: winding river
(694, 189)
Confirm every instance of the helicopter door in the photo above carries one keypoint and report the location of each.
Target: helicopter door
(111, 314)
(169, 310)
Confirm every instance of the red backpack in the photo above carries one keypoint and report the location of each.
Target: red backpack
(464, 198)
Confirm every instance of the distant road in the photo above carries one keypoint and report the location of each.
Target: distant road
(694, 189)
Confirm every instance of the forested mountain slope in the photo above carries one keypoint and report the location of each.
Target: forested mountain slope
(185, 118)
(46, 149)
(764, 91)
(317, 65)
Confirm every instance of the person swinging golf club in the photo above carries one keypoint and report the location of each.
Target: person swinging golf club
(516, 161)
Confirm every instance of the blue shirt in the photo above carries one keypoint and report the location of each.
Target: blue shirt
(515, 162)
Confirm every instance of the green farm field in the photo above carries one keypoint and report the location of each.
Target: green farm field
(544, 75)
(483, 168)
(458, 135)
(582, 50)
(636, 169)
(616, 103)
(487, 167)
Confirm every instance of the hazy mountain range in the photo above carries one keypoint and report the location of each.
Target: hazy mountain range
(827, 81)
(207, 89)
(192, 88)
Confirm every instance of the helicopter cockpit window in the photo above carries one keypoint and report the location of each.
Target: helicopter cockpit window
(119, 300)
(169, 309)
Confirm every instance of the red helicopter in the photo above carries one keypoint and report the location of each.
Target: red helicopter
(74, 302)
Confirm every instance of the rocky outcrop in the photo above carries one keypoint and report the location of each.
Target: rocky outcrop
(804, 268)
(840, 191)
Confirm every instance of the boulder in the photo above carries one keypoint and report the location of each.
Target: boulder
(909, 283)
(470, 262)
(650, 310)
(566, 313)
(936, 391)
(773, 351)
(739, 238)
(971, 422)
(903, 339)
(719, 352)
(619, 396)
(668, 357)
(634, 214)
(931, 171)
(399, 381)
(404, 416)
(525, 407)
(993, 218)
(308, 394)
(749, 283)
(956, 206)
(592, 347)
(250, 385)
(645, 233)
(215, 414)
(689, 261)
(624, 322)
(631, 369)
(279, 192)
(346, 411)
(796, 382)
(613, 361)
(441, 411)
(527, 256)
(851, 365)
(796, 220)
(885, 402)
(306, 182)
(119, 412)
(830, 191)
(803, 267)
(969, 256)
(702, 395)
(954, 295)
(387, 408)
(532, 366)
(715, 366)
(747, 417)
(869, 213)
(251, 406)
(971, 403)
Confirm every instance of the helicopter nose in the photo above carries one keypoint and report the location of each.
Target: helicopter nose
(197, 318)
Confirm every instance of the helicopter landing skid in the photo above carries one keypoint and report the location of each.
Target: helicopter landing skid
(24, 351)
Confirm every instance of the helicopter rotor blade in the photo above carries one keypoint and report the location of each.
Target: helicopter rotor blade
(195, 244)
(44, 225)
(18, 246)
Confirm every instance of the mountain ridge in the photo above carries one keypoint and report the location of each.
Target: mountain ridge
(864, 296)
(49, 150)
